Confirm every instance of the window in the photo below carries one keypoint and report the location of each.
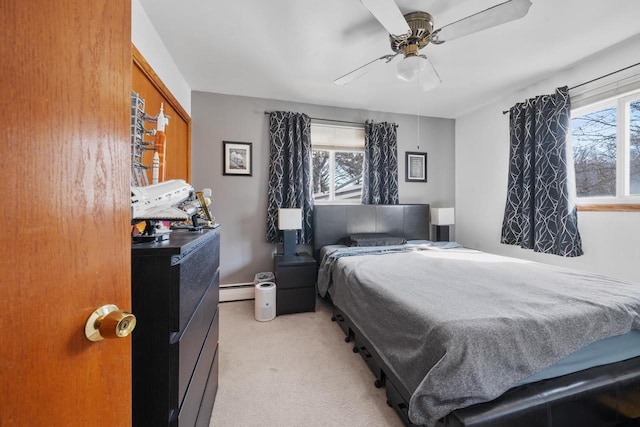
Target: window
(606, 150)
(337, 162)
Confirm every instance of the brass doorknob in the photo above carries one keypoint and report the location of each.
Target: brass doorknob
(109, 321)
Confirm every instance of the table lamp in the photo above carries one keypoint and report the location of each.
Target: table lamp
(442, 218)
(289, 221)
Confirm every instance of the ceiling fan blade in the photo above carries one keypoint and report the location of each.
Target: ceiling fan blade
(362, 70)
(387, 12)
(496, 15)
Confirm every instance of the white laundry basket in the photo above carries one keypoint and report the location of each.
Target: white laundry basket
(265, 301)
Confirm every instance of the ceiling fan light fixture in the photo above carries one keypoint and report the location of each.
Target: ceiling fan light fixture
(418, 67)
(428, 77)
(410, 67)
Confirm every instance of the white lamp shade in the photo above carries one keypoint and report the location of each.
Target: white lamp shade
(428, 76)
(290, 219)
(420, 68)
(410, 67)
(443, 216)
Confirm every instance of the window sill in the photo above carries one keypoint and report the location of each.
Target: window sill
(632, 207)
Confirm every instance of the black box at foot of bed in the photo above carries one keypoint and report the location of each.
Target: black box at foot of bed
(604, 396)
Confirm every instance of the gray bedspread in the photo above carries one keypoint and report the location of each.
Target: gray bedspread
(459, 327)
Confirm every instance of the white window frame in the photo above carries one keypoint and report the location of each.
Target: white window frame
(622, 149)
(333, 149)
(332, 167)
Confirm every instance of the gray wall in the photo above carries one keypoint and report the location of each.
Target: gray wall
(240, 203)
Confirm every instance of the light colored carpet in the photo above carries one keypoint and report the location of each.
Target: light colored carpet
(295, 370)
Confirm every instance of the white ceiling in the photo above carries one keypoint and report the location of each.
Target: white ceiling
(293, 49)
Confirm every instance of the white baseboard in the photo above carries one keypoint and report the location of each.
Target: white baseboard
(236, 291)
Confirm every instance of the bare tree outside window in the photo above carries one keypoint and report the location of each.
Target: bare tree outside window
(634, 147)
(347, 174)
(594, 138)
(321, 172)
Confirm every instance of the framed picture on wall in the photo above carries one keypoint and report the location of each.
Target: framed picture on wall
(237, 158)
(415, 169)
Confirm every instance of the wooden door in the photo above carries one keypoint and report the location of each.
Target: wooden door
(64, 189)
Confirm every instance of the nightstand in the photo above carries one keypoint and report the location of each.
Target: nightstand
(296, 277)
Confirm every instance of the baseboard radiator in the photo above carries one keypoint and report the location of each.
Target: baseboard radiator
(237, 291)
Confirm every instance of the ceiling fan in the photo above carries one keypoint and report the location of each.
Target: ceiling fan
(413, 31)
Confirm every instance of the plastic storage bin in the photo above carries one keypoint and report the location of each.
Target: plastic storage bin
(265, 276)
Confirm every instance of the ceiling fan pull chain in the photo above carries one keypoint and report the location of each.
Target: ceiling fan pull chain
(418, 112)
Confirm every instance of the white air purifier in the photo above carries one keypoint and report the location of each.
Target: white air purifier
(265, 300)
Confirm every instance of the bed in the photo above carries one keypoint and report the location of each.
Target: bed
(462, 338)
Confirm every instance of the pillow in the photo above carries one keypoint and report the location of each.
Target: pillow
(372, 239)
(419, 242)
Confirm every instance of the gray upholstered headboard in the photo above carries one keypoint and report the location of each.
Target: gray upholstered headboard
(333, 222)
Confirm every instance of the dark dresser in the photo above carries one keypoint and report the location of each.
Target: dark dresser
(175, 294)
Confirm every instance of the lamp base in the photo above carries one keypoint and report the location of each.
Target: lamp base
(289, 242)
(442, 233)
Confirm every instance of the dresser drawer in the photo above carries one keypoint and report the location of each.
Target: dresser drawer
(295, 300)
(209, 398)
(190, 277)
(290, 277)
(186, 346)
(194, 397)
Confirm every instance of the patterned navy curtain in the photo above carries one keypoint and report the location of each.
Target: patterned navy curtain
(540, 212)
(290, 179)
(380, 183)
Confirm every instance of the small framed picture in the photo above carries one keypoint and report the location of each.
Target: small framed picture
(415, 167)
(237, 158)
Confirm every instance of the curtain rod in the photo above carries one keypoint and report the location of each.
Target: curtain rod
(596, 79)
(332, 120)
